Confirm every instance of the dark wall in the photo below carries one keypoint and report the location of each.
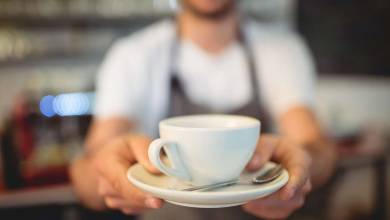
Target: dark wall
(60, 212)
(347, 36)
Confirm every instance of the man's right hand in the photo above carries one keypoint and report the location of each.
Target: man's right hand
(111, 163)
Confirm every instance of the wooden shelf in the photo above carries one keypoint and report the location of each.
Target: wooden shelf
(78, 21)
(58, 194)
(56, 59)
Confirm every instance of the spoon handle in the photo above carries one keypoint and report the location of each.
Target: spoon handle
(266, 177)
(211, 186)
(269, 175)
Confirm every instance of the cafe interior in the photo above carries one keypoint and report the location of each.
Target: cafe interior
(51, 50)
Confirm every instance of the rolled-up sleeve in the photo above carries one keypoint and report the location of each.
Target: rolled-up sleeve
(119, 83)
(287, 75)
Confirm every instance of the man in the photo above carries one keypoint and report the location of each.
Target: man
(209, 60)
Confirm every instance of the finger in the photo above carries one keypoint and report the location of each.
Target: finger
(134, 195)
(267, 212)
(120, 203)
(307, 187)
(105, 189)
(113, 166)
(264, 150)
(274, 199)
(298, 177)
(140, 145)
(129, 211)
(297, 162)
(273, 208)
(113, 203)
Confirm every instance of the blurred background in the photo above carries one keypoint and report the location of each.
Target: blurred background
(50, 51)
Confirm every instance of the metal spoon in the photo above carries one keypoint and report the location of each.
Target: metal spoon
(266, 177)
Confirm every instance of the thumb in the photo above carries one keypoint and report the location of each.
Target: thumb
(139, 144)
(264, 150)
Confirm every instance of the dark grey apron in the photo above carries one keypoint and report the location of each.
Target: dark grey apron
(180, 104)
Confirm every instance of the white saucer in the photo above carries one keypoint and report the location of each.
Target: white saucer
(168, 188)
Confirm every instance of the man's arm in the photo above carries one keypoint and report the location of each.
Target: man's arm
(300, 125)
(304, 151)
(82, 170)
(99, 176)
(104, 130)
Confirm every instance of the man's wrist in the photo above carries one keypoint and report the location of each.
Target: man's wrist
(324, 160)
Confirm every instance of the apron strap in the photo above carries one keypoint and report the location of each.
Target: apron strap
(249, 57)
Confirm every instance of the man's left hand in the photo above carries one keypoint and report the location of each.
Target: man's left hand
(292, 196)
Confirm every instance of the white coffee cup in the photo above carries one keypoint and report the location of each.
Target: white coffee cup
(205, 149)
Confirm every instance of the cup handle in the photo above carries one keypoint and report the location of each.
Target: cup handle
(178, 169)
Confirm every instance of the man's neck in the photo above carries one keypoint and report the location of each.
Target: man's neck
(211, 35)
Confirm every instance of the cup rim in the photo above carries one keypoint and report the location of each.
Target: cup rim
(167, 123)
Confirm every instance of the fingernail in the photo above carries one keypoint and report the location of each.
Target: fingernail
(288, 194)
(153, 170)
(256, 161)
(152, 203)
(247, 206)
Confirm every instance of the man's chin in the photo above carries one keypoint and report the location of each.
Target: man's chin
(214, 14)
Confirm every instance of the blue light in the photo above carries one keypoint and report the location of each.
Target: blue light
(71, 104)
(46, 106)
(67, 104)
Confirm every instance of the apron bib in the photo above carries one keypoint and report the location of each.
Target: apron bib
(180, 104)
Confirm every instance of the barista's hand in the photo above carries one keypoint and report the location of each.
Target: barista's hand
(292, 196)
(112, 162)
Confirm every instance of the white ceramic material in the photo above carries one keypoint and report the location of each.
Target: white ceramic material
(168, 188)
(204, 149)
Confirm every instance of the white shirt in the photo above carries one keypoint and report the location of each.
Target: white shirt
(133, 81)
